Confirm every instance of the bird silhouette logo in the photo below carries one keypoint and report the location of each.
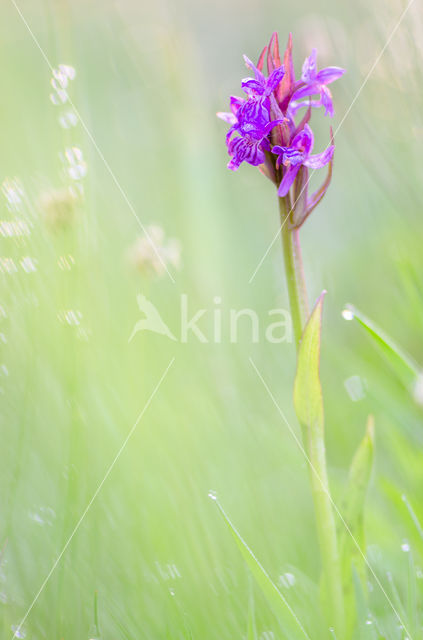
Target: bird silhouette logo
(152, 320)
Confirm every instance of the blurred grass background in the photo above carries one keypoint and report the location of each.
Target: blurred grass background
(150, 78)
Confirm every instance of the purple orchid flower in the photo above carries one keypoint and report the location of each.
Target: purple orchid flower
(251, 120)
(254, 125)
(315, 82)
(298, 154)
(260, 85)
(234, 105)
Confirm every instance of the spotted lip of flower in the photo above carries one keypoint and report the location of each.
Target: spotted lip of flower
(252, 122)
(314, 82)
(251, 118)
(299, 154)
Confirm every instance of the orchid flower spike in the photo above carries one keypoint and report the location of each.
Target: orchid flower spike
(263, 129)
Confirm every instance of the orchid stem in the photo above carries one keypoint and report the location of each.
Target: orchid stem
(294, 271)
(313, 439)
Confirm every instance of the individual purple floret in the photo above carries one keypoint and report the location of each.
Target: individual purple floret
(234, 105)
(260, 85)
(254, 125)
(314, 82)
(298, 154)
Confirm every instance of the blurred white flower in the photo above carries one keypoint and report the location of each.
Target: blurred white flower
(58, 207)
(152, 252)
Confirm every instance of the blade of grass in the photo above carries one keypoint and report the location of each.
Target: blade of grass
(352, 560)
(390, 348)
(278, 603)
(251, 628)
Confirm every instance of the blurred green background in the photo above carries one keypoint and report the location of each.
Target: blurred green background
(149, 79)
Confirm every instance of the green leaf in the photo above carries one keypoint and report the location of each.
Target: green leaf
(359, 478)
(393, 352)
(308, 400)
(281, 608)
(251, 629)
(364, 631)
(352, 558)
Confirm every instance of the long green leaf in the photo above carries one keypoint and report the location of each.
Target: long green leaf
(251, 629)
(308, 401)
(308, 398)
(352, 558)
(283, 611)
(389, 347)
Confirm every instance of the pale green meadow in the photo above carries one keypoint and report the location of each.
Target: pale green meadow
(112, 439)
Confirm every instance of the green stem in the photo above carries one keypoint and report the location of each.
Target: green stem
(294, 272)
(313, 437)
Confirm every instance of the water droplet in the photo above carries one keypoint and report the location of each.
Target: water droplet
(287, 580)
(3, 597)
(67, 70)
(4, 370)
(14, 193)
(43, 515)
(355, 387)
(70, 316)
(68, 120)
(172, 592)
(7, 265)
(28, 264)
(369, 622)
(66, 262)
(418, 389)
(405, 546)
(77, 166)
(348, 314)
(212, 495)
(17, 631)
(60, 96)
(14, 228)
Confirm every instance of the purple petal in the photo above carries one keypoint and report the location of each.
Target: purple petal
(230, 118)
(309, 68)
(244, 149)
(253, 116)
(319, 160)
(279, 151)
(326, 100)
(330, 74)
(294, 107)
(257, 74)
(304, 140)
(274, 79)
(307, 90)
(288, 179)
(252, 86)
(236, 103)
